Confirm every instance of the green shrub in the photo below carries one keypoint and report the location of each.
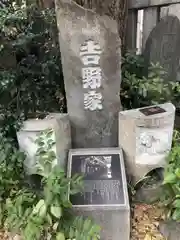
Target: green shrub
(47, 213)
(33, 84)
(171, 184)
(139, 89)
(11, 168)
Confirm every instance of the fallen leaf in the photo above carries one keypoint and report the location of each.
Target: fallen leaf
(148, 237)
(145, 222)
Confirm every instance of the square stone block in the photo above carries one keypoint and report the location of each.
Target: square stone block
(145, 135)
(30, 131)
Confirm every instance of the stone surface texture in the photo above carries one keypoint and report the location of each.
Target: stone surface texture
(77, 25)
(150, 194)
(170, 230)
(170, 10)
(114, 219)
(162, 46)
(145, 140)
(61, 135)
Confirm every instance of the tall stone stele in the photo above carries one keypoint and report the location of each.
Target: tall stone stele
(91, 60)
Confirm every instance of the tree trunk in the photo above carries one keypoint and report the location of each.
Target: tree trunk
(117, 9)
(42, 3)
(46, 3)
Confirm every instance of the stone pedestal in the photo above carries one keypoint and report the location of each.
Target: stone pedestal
(105, 196)
(91, 58)
(61, 135)
(145, 136)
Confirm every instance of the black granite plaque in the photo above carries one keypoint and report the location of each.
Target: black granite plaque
(152, 110)
(103, 184)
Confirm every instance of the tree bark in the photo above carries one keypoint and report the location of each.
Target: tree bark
(42, 3)
(46, 3)
(117, 9)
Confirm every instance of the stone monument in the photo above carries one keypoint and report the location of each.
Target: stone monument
(30, 130)
(91, 60)
(145, 135)
(105, 195)
(162, 46)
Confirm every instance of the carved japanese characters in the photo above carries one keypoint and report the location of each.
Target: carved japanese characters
(91, 75)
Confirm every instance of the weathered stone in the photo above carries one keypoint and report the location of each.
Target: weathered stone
(170, 230)
(170, 10)
(61, 135)
(91, 59)
(150, 189)
(105, 196)
(146, 139)
(162, 46)
(148, 195)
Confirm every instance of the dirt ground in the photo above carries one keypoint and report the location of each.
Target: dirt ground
(145, 222)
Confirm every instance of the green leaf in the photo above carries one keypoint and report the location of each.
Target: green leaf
(40, 208)
(71, 233)
(176, 203)
(97, 228)
(67, 204)
(60, 236)
(177, 172)
(170, 178)
(49, 219)
(87, 225)
(176, 215)
(56, 211)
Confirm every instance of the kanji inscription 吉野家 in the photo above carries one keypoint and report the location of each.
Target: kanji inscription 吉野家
(91, 75)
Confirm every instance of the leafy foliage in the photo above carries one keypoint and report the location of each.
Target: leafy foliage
(11, 168)
(139, 89)
(46, 214)
(18, 207)
(171, 184)
(31, 79)
(11, 173)
(45, 155)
